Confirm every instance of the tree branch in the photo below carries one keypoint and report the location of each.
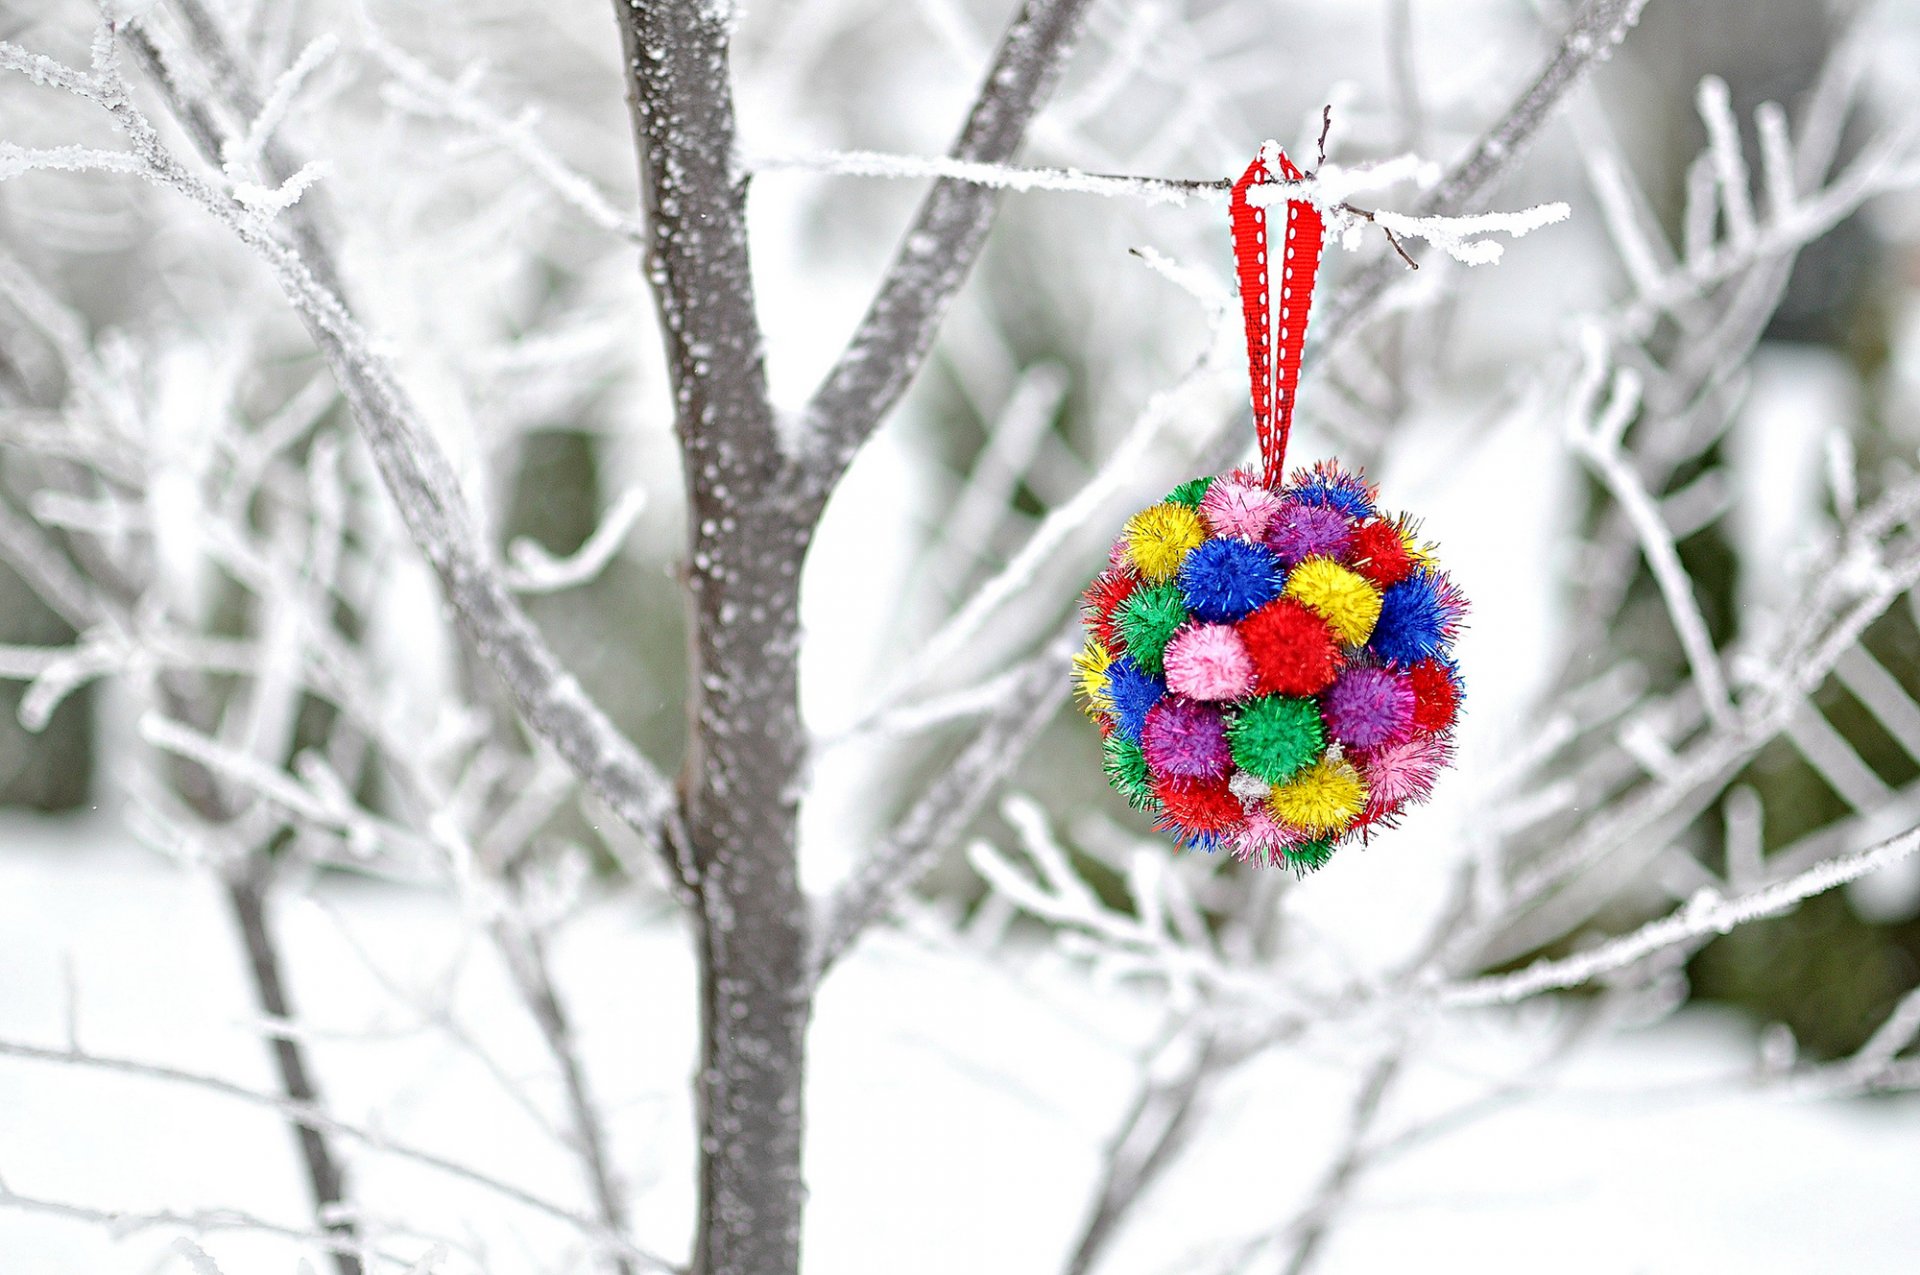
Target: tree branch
(1590, 37)
(247, 899)
(415, 470)
(935, 256)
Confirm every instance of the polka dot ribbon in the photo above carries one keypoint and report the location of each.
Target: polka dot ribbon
(1274, 379)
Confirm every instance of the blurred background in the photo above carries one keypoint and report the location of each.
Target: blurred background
(169, 435)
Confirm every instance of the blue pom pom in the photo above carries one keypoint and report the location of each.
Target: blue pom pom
(1226, 580)
(1134, 693)
(1334, 488)
(1417, 618)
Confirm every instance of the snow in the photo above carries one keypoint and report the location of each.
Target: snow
(957, 1106)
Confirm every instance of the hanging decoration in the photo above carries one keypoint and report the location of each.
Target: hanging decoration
(1269, 658)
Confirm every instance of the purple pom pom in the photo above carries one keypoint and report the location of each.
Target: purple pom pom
(1302, 531)
(1368, 707)
(1186, 739)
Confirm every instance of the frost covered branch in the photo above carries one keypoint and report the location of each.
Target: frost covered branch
(417, 472)
(1704, 915)
(936, 254)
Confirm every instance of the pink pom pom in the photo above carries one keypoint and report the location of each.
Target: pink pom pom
(1403, 772)
(1263, 836)
(1187, 740)
(1237, 506)
(1209, 662)
(1120, 556)
(1369, 707)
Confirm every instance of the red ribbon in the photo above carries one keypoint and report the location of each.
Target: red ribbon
(1274, 380)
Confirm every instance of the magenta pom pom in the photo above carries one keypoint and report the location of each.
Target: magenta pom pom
(1186, 739)
(1301, 531)
(1209, 662)
(1239, 506)
(1368, 707)
(1405, 771)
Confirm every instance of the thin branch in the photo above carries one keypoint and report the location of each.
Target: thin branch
(415, 469)
(1315, 1221)
(949, 805)
(1591, 37)
(322, 1119)
(1160, 1117)
(1704, 915)
(936, 254)
(326, 1180)
(526, 958)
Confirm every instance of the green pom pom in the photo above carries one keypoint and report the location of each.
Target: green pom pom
(1190, 493)
(1275, 737)
(1310, 857)
(1126, 768)
(1147, 619)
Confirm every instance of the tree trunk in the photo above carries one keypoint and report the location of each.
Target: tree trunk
(742, 779)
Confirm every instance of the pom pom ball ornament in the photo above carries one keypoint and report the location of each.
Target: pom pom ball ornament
(1269, 659)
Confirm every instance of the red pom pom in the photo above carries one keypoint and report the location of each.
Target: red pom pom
(1435, 698)
(1103, 600)
(1197, 807)
(1294, 651)
(1379, 555)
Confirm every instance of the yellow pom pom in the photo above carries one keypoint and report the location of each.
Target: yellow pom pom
(1348, 604)
(1323, 799)
(1090, 678)
(1421, 551)
(1159, 539)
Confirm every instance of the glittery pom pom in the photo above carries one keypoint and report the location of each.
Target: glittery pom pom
(1160, 538)
(1329, 485)
(1197, 811)
(1185, 738)
(1324, 799)
(1209, 662)
(1369, 706)
(1223, 580)
(1239, 507)
(1418, 618)
(1405, 771)
(1300, 531)
(1344, 600)
(1133, 693)
(1294, 651)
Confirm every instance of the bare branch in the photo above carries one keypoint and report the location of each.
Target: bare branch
(937, 253)
(416, 471)
(1704, 915)
(1591, 37)
(321, 1119)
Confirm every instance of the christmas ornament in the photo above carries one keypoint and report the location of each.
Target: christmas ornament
(1269, 659)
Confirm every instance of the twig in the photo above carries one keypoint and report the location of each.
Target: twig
(1703, 916)
(526, 957)
(1590, 37)
(936, 254)
(325, 1120)
(415, 469)
(1315, 1221)
(326, 1180)
(1165, 1110)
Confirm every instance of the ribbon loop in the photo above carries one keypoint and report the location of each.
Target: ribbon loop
(1273, 365)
